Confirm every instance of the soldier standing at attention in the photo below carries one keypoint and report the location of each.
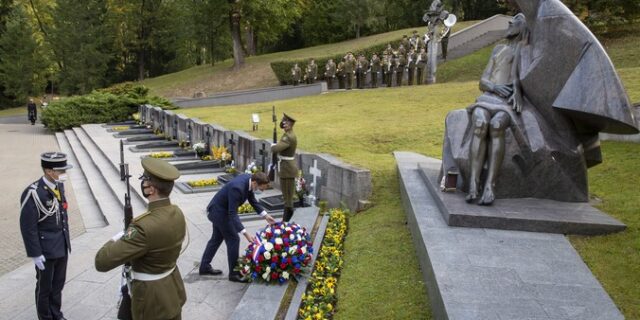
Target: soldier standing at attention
(411, 66)
(405, 43)
(363, 65)
(422, 65)
(401, 63)
(295, 74)
(152, 244)
(312, 72)
(44, 225)
(389, 69)
(287, 167)
(330, 73)
(375, 70)
(340, 73)
(349, 69)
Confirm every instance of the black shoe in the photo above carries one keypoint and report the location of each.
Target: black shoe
(238, 278)
(210, 272)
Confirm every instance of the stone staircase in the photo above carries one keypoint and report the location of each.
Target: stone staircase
(477, 36)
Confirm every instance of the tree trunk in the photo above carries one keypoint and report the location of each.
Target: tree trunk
(234, 24)
(142, 40)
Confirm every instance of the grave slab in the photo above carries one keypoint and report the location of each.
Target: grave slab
(537, 215)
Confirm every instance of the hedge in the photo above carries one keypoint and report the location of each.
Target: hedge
(282, 68)
(112, 104)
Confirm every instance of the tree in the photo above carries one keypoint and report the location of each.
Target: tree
(268, 20)
(23, 66)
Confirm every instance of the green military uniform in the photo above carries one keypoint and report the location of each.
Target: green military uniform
(152, 244)
(389, 69)
(375, 70)
(287, 167)
(330, 73)
(349, 71)
(412, 58)
(422, 66)
(312, 72)
(405, 43)
(295, 74)
(361, 71)
(401, 62)
(340, 74)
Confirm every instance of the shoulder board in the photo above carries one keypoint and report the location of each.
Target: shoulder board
(138, 218)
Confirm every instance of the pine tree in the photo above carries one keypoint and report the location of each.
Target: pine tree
(22, 67)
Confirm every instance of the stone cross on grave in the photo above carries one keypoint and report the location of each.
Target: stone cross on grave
(316, 173)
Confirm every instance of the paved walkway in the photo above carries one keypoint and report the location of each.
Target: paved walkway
(20, 159)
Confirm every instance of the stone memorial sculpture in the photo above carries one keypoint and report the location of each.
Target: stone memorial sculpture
(439, 23)
(565, 91)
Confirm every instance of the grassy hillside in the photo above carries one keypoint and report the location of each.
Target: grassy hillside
(381, 277)
(257, 71)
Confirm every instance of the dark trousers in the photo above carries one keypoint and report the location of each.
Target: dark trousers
(341, 82)
(389, 78)
(49, 284)
(374, 79)
(399, 74)
(419, 75)
(349, 80)
(222, 231)
(329, 83)
(411, 73)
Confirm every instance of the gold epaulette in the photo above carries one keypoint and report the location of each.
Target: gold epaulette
(140, 216)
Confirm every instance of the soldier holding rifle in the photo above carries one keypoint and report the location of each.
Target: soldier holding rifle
(287, 167)
(152, 244)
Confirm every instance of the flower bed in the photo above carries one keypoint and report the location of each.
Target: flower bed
(120, 128)
(203, 183)
(245, 208)
(159, 155)
(281, 251)
(319, 301)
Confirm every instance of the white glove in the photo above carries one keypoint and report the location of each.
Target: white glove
(39, 262)
(117, 236)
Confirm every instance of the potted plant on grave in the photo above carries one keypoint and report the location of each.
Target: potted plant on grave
(199, 148)
(301, 188)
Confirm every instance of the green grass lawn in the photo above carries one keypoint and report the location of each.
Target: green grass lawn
(13, 112)
(257, 72)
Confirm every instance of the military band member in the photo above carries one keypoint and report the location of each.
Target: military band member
(388, 51)
(152, 244)
(375, 70)
(401, 63)
(389, 69)
(421, 65)
(311, 72)
(412, 58)
(340, 73)
(287, 167)
(402, 50)
(222, 211)
(444, 43)
(330, 73)
(44, 225)
(349, 70)
(295, 74)
(363, 70)
(404, 43)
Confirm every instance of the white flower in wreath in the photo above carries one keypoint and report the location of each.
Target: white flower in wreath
(267, 255)
(265, 276)
(278, 232)
(268, 246)
(304, 249)
(292, 250)
(279, 241)
(285, 275)
(198, 146)
(292, 237)
(287, 229)
(246, 268)
(284, 254)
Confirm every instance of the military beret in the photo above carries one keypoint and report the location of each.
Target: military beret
(160, 169)
(54, 160)
(289, 118)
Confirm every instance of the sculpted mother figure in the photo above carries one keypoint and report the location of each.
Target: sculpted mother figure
(567, 91)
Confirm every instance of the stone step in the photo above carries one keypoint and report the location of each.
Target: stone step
(111, 175)
(478, 273)
(90, 209)
(105, 196)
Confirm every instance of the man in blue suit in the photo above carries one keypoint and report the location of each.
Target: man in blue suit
(222, 211)
(45, 231)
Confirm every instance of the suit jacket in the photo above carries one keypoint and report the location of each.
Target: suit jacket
(224, 205)
(49, 237)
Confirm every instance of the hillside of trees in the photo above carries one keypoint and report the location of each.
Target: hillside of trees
(72, 47)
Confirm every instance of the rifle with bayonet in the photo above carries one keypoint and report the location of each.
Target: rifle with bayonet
(274, 156)
(124, 309)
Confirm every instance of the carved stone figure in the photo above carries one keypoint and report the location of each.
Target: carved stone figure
(570, 92)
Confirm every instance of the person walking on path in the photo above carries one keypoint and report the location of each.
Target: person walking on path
(152, 244)
(32, 111)
(287, 167)
(44, 225)
(222, 211)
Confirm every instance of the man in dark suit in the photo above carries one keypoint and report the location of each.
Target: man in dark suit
(222, 211)
(44, 225)
(32, 111)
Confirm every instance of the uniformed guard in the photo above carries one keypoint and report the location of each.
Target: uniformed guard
(361, 72)
(401, 63)
(375, 70)
(295, 74)
(287, 167)
(152, 244)
(340, 73)
(421, 65)
(312, 72)
(404, 43)
(330, 73)
(349, 70)
(44, 225)
(412, 59)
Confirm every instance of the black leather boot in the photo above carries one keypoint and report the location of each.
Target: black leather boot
(288, 213)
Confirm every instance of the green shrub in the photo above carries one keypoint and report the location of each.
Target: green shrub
(282, 68)
(113, 104)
